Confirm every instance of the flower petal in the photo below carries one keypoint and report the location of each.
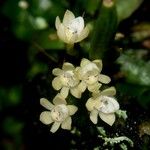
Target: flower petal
(109, 91)
(75, 92)
(72, 109)
(64, 92)
(84, 33)
(84, 62)
(71, 37)
(62, 33)
(110, 105)
(68, 66)
(68, 16)
(57, 71)
(59, 99)
(99, 64)
(108, 118)
(45, 117)
(90, 104)
(93, 116)
(104, 79)
(76, 25)
(55, 127)
(47, 104)
(66, 124)
(57, 22)
(56, 83)
(82, 86)
(94, 87)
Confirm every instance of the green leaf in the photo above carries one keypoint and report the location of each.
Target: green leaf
(138, 92)
(126, 7)
(135, 69)
(48, 40)
(92, 5)
(36, 68)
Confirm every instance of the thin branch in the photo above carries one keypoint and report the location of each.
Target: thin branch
(42, 50)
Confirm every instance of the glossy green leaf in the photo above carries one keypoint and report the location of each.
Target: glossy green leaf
(125, 8)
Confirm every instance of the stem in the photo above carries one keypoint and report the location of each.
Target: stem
(104, 31)
(70, 49)
(43, 51)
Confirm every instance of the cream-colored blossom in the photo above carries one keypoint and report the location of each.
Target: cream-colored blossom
(58, 113)
(71, 30)
(89, 74)
(66, 79)
(104, 105)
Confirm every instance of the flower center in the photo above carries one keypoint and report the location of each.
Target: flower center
(69, 79)
(91, 67)
(91, 79)
(59, 113)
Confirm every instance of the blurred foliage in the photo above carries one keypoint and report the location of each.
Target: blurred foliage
(10, 96)
(141, 94)
(125, 8)
(141, 31)
(135, 69)
(13, 129)
(37, 15)
(12, 126)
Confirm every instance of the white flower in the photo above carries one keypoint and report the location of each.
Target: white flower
(66, 80)
(58, 113)
(23, 4)
(104, 105)
(72, 29)
(89, 74)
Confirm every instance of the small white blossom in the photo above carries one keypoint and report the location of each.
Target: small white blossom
(104, 105)
(58, 113)
(66, 80)
(89, 74)
(23, 4)
(72, 29)
(40, 23)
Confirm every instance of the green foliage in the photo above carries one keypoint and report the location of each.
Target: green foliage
(115, 140)
(125, 8)
(103, 32)
(12, 126)
(136, 70)
(48, 40)
(26, 22)
(92, 6)
(10, 96)
(138, 92)
(37, 68)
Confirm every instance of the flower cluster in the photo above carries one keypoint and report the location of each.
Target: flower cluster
(75, 80)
